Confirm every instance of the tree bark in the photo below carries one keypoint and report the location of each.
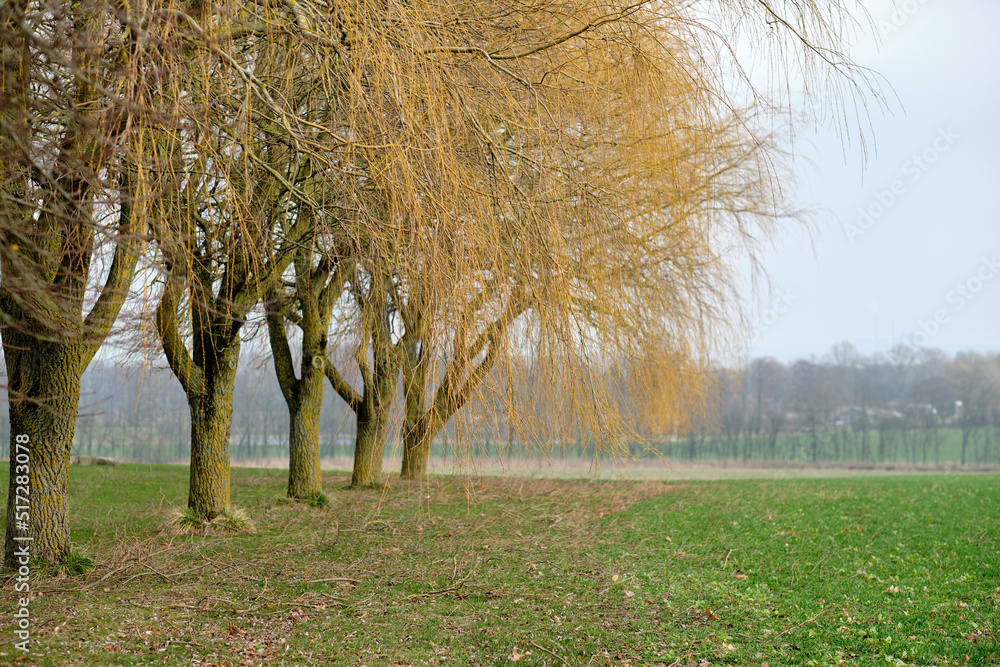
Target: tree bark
(379, 375)
(416, 451)
(304, 475)
(416, 437)
(372, 422)
(369, 447)
(44, 394)
(211, 421)
(469, 366)
(317, 288)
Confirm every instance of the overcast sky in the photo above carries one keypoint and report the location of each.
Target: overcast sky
(909, 243)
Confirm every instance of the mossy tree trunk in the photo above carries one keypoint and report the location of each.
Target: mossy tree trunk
(44, 390)
(208, 376)
(217, 269)
(211, 423)
(378, 359)
(317, 288)
(304, 475)
(373, 417)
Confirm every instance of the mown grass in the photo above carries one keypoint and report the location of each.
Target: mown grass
(874, 571)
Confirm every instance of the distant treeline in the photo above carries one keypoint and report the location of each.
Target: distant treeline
(917, 406)
(910, 406)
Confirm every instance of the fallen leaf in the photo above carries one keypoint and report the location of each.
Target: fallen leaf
(740, 575)
(712, 616)
(668, 539)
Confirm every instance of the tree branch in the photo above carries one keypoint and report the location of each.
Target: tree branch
(284, 368)
(178, 357)
(342, 386)
(115, 290)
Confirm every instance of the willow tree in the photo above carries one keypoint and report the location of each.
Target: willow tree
(575, 172)
(319, 280)
(569, 169)
(248, 161)
(73, 108)
(625, 180)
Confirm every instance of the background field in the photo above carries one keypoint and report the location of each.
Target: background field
(493, 571)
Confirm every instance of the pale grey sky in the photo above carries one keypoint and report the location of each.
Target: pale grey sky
(908, 247)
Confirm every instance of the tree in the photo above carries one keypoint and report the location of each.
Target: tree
(248, 171)
(616, 202)
(377, 355)
(73, 113)
(318, 285)
(505, 164)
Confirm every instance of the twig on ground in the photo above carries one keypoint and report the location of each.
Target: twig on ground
(806, 622)
(553, 654)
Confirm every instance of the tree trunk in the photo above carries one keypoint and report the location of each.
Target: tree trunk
(416, 434)
(211, 422)
(304, 475)
(416, 450)
(369, 445)
(44, 397)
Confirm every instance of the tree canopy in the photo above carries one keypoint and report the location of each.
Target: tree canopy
(471, 189)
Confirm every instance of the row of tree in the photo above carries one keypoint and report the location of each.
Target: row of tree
(912, 405)
(449, 191)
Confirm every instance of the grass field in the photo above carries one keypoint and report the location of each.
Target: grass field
(870, 571)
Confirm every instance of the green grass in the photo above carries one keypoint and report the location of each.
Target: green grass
(859, 572)
(873, 571)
